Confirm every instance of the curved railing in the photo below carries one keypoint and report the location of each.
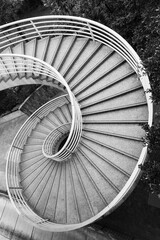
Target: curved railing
(14, 63)
(50, 148)
(40, 27)
(44, 26)
(70, 146)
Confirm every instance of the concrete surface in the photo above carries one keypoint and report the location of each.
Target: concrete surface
(9, 125)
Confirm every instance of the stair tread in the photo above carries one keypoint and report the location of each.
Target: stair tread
(113, 104)
(120, 153)
(9, 64)
(91, 49)
(128, 113)
(78, 48)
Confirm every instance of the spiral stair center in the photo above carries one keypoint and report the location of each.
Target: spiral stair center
(55, 142)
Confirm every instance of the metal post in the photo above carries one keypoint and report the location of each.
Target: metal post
(34, 26)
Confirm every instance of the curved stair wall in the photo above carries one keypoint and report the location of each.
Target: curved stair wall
(40, 96)
(91, 164)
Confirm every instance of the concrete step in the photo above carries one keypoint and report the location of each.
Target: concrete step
(112, 103)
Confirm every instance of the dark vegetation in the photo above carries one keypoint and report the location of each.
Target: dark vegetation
(11, 10)
(12, 98)
(138, 21)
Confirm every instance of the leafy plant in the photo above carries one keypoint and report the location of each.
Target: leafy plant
(151, 168)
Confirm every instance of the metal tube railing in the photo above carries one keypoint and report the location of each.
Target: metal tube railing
(40, 27)
(28, 64)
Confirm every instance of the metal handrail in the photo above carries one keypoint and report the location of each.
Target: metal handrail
(46, 26)
(50, 142)
(15, 63)
(40, 27)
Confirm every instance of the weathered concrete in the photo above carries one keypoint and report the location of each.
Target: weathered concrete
(9, 125)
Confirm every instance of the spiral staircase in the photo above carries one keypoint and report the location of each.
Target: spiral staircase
(76, 157)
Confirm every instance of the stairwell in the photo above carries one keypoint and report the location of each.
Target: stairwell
(96, 143)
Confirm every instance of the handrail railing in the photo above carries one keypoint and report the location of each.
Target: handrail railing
(15, 32)
(13, 64)
(44, 26)
(41, 27)
(13, 185)
(49, 147)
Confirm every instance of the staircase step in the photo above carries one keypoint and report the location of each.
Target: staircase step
(39, 188)
(95, 198)
(96, 66)
(47, 122)
(52, 201)
(28, 156)
(31, 183)
(133, 95)
(27, 168)
(116, 102)
(52, 51)
(77, 49)
(125, 145)
(28, 161)
(115, 176)
(41, 48)
(4, 73)
(30, 50)
(38, 134)
(19, 49)
(128, 112)
(113, 105)
(129, 130)
(60, 208)
(68, 45)
(85, 63)
(83, 205)
(44, 199)
(32, 148)
(72, 213)
(112, 68)
(107, 189)
(66, 113)
(43, 129)
(64, 43)
(82, 61)
(107, 146)
(9, 65)
(60, 116)
(125, 80)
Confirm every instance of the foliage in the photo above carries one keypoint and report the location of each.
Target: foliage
(138, 21)
(12, 97)
(151, 174)
(151, 168)
(11, 10)
(8, 10)
(152, 138)
(28, 6)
